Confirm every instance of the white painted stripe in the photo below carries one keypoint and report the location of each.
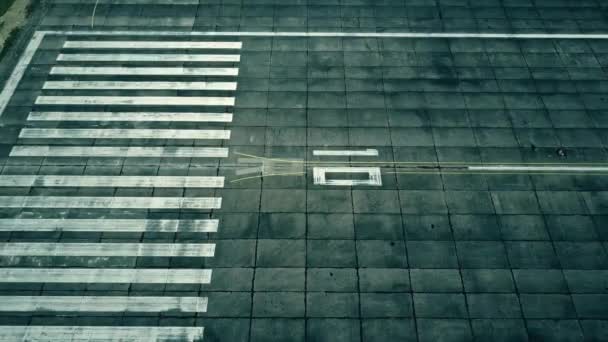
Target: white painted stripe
(117, 275)
(19, 70)
(139, 57)
(119, 85)
(108, 133)
(320, 176)
(135, 100)
(144, 71)
(102, 304)
(107, 249)
(111, 181)
(110, 202)
(118, 152)
(564, 168)
(135, 44)
(109, 225)
(335, 34)
(358, 153)
(47, 333)
(130, 116)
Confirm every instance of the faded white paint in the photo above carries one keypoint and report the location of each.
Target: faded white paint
(109, 133)
(111, 181)
(119, 249)
(47, 333)
(109, 225)
(102, 304)
(130, 116)
(117, 152)
(110, 202)
(104, 276)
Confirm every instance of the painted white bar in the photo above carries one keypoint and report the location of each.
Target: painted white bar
(110, 202)
(107, 249)
(320, 176)
(135, 100)
(109, 133)
(443, 35)
(370, 152)
(130, 116)
(111, 181)
(102, 304)
(109, 225)
(42, 333)
(107, 275)
(136, 44)
(144, 71)
(564, 168)
(119, 85)
(118, 152)
(139, 57)
(19, 70)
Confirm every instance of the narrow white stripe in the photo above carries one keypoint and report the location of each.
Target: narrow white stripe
(110, 202)
(130, 116)
(109, 225)
(71, 85)
(107, 249)
(117, 275)
(142, 71)
(539, 168)
(112, 181)
(102, 304)
(44, 333)
(108, 133)
(335, 34)
(138, 57)
(360, 153)
(135, 100)
(320, 176)
(117, 152)
(134, 44)
(19, 70)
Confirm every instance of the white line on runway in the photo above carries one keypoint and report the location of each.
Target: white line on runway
(110, 202)
(374, 176)
(102, 304)
(138, 44)
(109, 133)
(444, 35)
(105, 276)
(120, 85)
(564, 168)
(119, 152)
(10, 249)
(336, 153)
(109, 225)
(140, 57)
(19, 71)
(111, 181)
(48, 333)
(135, 100)
(144, 71)
(130, 116)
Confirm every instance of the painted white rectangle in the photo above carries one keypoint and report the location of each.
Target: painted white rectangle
(201, 250)
(135, 44)
(110, 202)
(104, 276)
(109, 133)
(320, 176)
(140, 57)
(136, 100)
(117, 152)
(102, 304)
(42, 333)
(122, 85)
(370, 152)
(112, 181)
(144, 71)
(130, 116)
(109, 225)
(523, 168)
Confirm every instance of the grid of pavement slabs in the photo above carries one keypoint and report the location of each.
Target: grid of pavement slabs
(427, 256)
